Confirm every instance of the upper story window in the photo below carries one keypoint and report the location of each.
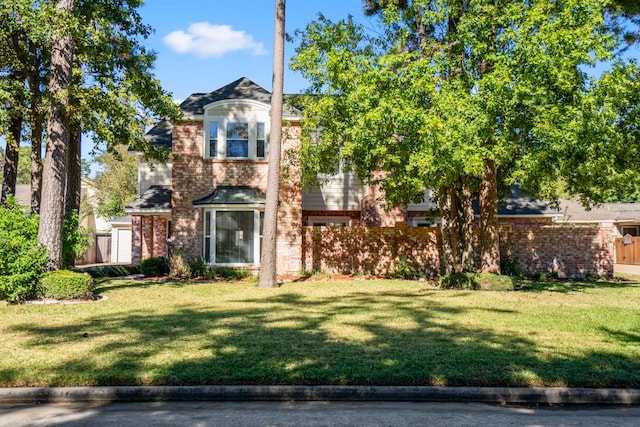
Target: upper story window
(238, 140)
(236, 130)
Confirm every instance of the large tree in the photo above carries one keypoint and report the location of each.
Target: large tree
(268, 260)
(459, 96)
(111, 95)
(56, 159)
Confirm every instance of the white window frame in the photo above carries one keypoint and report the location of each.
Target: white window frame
(623, 227)
(423, 221)
(236, 111)
(257, 237)
(318, 221)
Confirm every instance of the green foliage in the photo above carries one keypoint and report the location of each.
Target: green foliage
(477, 281)
(539, 276)
(65, 284)
(152, 267)
(510, 266)
(404, 270)
(199, 267)
(179, 266)
(22, 261)
(460, 85)
(74, 241)
(99, 271)
(117, 182)
(229, 273)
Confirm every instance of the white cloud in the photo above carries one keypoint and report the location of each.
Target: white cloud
(205, 39)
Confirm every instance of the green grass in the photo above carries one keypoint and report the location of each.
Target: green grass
(323, 332)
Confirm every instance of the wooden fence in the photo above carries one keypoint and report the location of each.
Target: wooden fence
(628, 250)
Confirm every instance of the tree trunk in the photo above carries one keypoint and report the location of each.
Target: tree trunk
(74, 175)
(36, 128)
(10, 170)
(268, 263)
(447, 248)
(55, 164)
(466, 225)
(489, 236)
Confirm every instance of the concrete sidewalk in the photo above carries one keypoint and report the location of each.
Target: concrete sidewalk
(495, 395)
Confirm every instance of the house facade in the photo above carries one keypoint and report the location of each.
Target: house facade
(208, 201)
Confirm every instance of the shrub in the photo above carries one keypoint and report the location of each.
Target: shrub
(74, 240)
(510, 266)
(22, 261)
(178, 266)
(539, 276)
(18, 287)
(482, 281)
(228, 273)
(459, 281)
(98, 271)
(65, 284)
(404, 270)
(156, 266)
(199, 267)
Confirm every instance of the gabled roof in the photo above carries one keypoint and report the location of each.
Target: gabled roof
(242, 88)
(161, 134)
(156, 199)
(517, 203)
(573, 211)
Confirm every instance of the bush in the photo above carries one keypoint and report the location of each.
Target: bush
(482, 281)
(65, 284)
(228, 273)
(22, 261)
(179, 267)
(99, 271)
(74, 242)
(404, 270)
(199, 267)
(18, 287)
(459, 281)
(510, 266)
(156, 266)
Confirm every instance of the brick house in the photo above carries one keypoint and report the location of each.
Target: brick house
(208, 201)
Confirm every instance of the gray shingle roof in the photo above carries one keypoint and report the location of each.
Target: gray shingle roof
(573, 211)
(157, 198)
(242, 88)
(161, 135)
(517, 203)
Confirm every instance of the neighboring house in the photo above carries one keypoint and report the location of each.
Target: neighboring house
(624, 216)
(121, 240)
(208, 201)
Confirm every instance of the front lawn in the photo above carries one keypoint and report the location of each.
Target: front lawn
(327, 332)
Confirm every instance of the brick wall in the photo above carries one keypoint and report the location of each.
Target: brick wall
(538, 246)
(195, 177)
(148, 237)
(567, 250)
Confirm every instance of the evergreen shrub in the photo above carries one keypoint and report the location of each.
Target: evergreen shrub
(66, 284)
(152, 267)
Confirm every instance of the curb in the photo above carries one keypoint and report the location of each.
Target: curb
(499, 395)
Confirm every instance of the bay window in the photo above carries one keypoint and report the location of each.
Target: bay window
(232, 237)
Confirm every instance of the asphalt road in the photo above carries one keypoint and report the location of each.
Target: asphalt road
(185, 414)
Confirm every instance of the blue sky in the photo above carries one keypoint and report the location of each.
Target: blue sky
(203, 45)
